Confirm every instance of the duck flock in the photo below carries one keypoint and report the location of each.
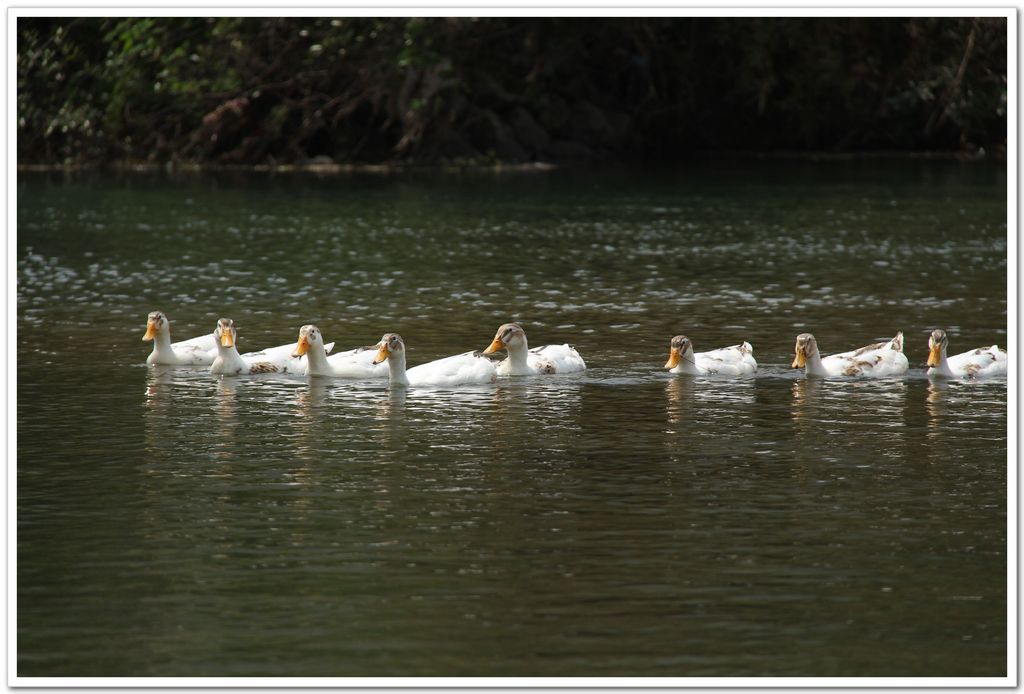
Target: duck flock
(311, 356)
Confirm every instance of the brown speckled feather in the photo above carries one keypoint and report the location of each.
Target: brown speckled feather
(869, 348)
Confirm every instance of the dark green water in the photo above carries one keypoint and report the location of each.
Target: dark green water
(623, 522)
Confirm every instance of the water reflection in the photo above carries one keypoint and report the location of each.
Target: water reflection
(170, 397)
(225, 409)
(957, 407)
(309, 409)
(544, 396)
(452, 420)
(157, 384)
(868, 417)
(157, 401)
(313, 396)
(679, 402)
(933, 406)
(525, 413)
(391, 407)
(696, 398)
(882, 400)
(806, 396)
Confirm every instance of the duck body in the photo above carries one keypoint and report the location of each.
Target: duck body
(983, 362)
(357, 363)
(873, 361)
(353, 363)
(547, 359)
(461, 369)
(737, 360)
(197, 351)
(523, 361)
(469, 368)
(272, 360)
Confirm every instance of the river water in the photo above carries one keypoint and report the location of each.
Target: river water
(620, 522)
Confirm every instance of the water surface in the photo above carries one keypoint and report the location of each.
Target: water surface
(621, 522)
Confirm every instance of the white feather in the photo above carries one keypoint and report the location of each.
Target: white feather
(874, 361)
(737, 360)
(461, 369)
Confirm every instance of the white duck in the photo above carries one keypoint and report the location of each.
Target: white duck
(874, 361)
(977, 363)
(737, 360)
(273, 360)
(355, 363)
(523, 361)
(198, 351)
(461, 369)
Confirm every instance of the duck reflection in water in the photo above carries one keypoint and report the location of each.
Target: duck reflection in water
(806, 396)
(313, 396)
(158, 382)
(382, 404)
(846, 401)
(536, 394)
(158, 403)
(679, 400)
(311, 402)
(391, 407)
(227, 419)
(171, 396)
(941, 399)
(462, 407)
(933, 406)
(711, 393)
(866, 416)
(709, 396)
(533, 418)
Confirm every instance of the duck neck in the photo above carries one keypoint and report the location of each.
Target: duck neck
(517, 358)
(316, 361)
(688, 364)
(228, 361)
(163, 353)
(396, 369)
(813, 365)
(943, 368)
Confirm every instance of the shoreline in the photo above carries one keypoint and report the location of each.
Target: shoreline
(332, 168)
(317, 168)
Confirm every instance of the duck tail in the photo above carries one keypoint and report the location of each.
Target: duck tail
(897, 342)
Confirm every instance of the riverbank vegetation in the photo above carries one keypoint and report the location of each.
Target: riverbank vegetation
(259, 91)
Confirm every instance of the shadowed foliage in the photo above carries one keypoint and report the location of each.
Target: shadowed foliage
(265, 91)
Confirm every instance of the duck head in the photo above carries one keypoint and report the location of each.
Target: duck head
(679, 348)
(937, 343)
(806, 347)
(510, 335)
(390, 345)
(225, 334)
(310, 337)
(156, 323)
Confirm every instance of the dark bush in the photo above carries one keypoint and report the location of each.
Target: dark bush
(256, 91)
